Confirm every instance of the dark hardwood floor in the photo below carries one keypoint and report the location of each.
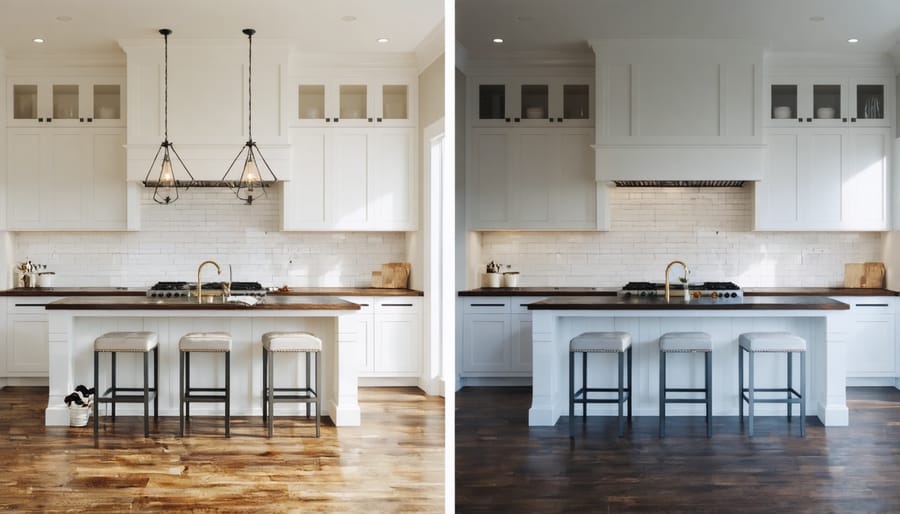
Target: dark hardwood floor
(393, 463)
(502, 465)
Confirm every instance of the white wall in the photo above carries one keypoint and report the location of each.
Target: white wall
(709, 228)
(210, 224)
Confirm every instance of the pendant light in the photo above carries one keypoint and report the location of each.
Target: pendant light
(166, 186)
(251, 184)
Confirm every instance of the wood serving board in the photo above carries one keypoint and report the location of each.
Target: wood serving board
(864, 274)
(395, 275)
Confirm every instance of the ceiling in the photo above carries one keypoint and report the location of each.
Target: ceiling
(94, 26)
(565, 25)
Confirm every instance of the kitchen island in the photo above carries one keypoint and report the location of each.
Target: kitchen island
(823, 322)
(75, 322)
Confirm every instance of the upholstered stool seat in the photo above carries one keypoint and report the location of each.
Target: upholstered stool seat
(599, 342)
(772, 342)
(127, 342)
(290, 342)
(208, 342)
(685, 342)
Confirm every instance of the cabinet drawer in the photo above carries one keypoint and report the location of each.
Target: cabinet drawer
(519, 304)
(398, 305)
(487, 305)
(28, 304)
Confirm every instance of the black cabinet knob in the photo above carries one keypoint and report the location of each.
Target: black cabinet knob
(370, 120)
(550, 120)
(507, 120)
(327, 120)
(516, 120)
(844, 120)
(40, 120)
(49, 120)
(90, 120)
(809, 120)
(81, 120)
(852, 120)
(379, 120)
(337, 120)
(559, 120)
(800, 120)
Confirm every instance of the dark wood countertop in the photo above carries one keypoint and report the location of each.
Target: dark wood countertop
(346, 291)
(541, 291)
(817, 291)
(305, 303)
(74, 291)
(658, 303)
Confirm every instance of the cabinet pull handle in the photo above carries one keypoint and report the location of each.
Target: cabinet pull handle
(852, 120)
(378, 119)
(844, 120)
(396, 305)
(550, 120)
(516, 120)
(370, 120)
(337, 120)
(31, 305)
(559, 120)
(363, 305)
(40, 120)
(81, 120)
(488, 305)
(871, 305)
(327, 120)
(523, 305)
(507, 120)
(49, 120)
(800, 120)
(90, 120)
(809, 120)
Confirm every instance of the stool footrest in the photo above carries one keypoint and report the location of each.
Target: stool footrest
(131, 395)
(686, 400)
(205, 398)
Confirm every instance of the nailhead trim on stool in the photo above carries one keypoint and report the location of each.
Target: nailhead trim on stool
(599, 342)
(208, 342)
(772, 342)
(685, 342)
(284, 342)
(128, 342)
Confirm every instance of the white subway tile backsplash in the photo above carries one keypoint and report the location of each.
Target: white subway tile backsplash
(709, 228)
(210, 224)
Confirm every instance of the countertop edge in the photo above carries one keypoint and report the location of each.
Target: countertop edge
(300, 291)
(780, 303)
(605, 291)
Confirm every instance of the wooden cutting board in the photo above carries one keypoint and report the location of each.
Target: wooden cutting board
(864, 274)
(395, 275)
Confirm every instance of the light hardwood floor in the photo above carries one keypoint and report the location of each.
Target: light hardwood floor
(393, 463)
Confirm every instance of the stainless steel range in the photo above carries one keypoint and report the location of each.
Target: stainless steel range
(184, 289)
(717, 290)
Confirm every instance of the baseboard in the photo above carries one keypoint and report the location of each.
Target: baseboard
(24, 382)
(872, 382)
(388, 382)
(493, 382)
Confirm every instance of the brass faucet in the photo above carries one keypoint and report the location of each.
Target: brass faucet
(686, 271)
(219, 271)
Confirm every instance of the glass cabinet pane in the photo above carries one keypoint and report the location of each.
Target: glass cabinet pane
(491, 102)
(393, 102)
(353, 102)
(576, 102)
(65, 101)
(25, 101)
(827, 101)
(535, 101)
(311, 102)
(107, 104)
(784, 101)
(870, 101)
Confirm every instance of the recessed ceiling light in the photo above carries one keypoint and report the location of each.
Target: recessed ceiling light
(348, 18)
(383, 40)
(63, 18)
(38, 40)
(497, 40)
(816, 18)
(853, 40)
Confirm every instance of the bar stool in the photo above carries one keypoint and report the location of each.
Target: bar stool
(685, 342)
(294, 342)
(780, 342)
(599, 342)
(215, 342)
(130, 342)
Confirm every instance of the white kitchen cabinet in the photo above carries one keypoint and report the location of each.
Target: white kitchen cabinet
(26, 333)
(534, 101)
(384, 101)
(820, 178)
(66, 179)
(532, 179)
(390, 336)
(496, 338)
(871, 351)
(66, 102)
(833, 99)
(352, 179)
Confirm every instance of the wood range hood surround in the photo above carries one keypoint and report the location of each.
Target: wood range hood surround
(676, 110)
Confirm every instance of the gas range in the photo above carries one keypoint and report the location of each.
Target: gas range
(183, 289)
(718, 290)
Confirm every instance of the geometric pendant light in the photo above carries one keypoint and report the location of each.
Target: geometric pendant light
(251, 183)
(166, 186)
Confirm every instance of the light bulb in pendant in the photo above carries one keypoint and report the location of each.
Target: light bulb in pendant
(251, 173)
(166, 175)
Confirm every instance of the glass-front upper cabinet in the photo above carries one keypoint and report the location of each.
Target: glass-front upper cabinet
(834, 101)
(66, 102)
(354, 103)
(533, 102)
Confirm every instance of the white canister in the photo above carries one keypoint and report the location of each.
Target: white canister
(45, 279)
(490, 280)
(511, 279)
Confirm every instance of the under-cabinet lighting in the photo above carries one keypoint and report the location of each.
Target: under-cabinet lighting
(853, 40)
(383, 40)
(38, 40)
(498, 40)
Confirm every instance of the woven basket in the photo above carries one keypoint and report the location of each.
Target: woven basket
(79, 415)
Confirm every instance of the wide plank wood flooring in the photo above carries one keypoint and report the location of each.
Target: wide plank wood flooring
(393, 463)
(502, 465)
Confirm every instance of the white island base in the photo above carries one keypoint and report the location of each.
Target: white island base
(826, 332)
(72, 334)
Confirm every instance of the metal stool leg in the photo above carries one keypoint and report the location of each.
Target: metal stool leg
(307, 383)
(187, 386)
(802, 393)
(146, 394)
(97, 393)
(584, 386)
(630, 390)
(790, 384)
(621, 392)
(318, 402)
(156, 384)
(741, 383)
(271, 391)
(113, 356)
(265, 385)
(750, 393)
(708, 358)
(571, 394)
(227, 394)
(662, 394)
(181, 394)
